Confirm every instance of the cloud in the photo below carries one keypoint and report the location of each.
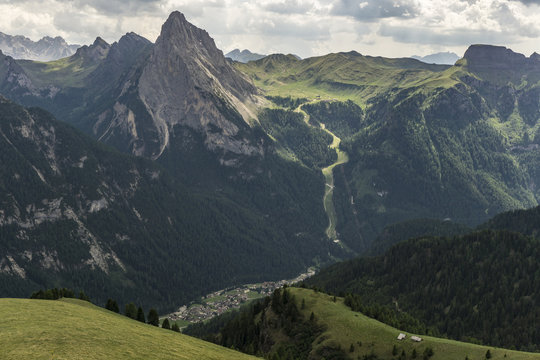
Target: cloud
(372, 10)
(305, 27)
(305, 30)
(455, 37)
(529, 2)
(118, 7)
(290, 7)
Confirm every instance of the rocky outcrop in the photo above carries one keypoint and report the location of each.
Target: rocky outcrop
(14, 80)
(95, 52)
(486, 58)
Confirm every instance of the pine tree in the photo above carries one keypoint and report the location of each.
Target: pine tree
(112, 305)
(131, 311)
(153, 317)
(175, 327)
(83, 296)
(165, 324)
(140, 315)
(488, 354)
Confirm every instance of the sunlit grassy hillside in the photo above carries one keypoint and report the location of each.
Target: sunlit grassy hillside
(73, 329)
(368, 336)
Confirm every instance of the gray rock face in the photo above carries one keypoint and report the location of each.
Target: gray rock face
(44, 163)
(95, 52)
(46, 49)
(498, 57)
(187, 81)
(13, 78)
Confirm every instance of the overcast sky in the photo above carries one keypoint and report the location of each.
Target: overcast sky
(392, 28)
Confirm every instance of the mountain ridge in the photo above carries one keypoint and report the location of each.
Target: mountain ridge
(45, 49)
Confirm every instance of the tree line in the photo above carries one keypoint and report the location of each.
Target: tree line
(130, 309)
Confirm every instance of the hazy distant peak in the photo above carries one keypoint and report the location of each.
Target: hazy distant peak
(45, 49)
(442, 58)
(243, 56)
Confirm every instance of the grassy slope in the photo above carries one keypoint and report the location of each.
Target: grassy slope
(73, 329)
(346, 327)
(342, 76)
(65, 72)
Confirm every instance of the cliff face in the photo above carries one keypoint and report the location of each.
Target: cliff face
(499, 65)
(41, 189)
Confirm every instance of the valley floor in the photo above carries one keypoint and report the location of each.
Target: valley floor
(224, 300)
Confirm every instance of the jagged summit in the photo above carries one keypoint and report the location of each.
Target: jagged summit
(184, 82)
(45, 49)
(180, 36)
(178, 28)
(128, 43)
(97, 51)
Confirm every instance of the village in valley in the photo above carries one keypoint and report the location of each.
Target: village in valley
(221, 301)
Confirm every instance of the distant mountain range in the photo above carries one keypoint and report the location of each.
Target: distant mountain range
(45, 49)
(442, 58)
(243, 56)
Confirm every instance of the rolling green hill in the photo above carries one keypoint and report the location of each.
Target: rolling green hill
(341, 76)
(74, 329)
(336, 332)
(484, 285)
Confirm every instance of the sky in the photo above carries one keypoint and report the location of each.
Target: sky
(391, 28)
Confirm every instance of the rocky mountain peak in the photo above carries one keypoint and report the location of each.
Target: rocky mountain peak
(187, 81)
(494, 57)
(180, 36)
(128, 43)
(97, 51)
